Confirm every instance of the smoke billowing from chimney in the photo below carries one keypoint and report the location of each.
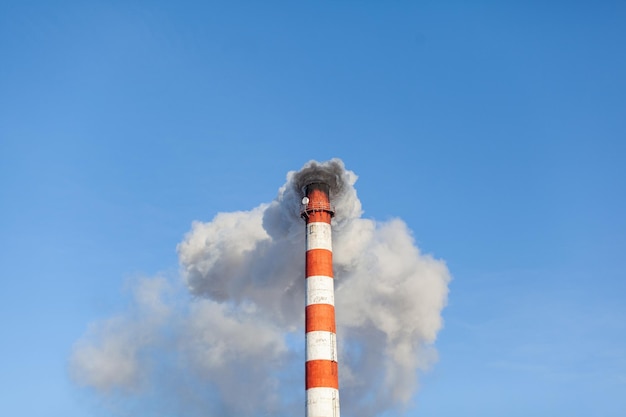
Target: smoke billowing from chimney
(236, 346)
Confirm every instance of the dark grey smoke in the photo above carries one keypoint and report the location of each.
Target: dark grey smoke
(330, 173)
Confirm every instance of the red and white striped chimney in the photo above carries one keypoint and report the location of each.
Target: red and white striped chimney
(322, 383)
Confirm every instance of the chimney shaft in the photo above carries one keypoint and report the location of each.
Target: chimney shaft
(322, 383)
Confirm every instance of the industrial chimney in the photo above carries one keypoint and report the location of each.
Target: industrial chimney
(322, 383)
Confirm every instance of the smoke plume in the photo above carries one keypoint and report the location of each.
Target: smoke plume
(236, 346)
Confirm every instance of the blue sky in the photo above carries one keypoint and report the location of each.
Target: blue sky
(495, 131)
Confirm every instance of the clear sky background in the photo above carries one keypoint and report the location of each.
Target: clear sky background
(496, 130)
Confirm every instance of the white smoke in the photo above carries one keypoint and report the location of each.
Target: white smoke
(240, 337)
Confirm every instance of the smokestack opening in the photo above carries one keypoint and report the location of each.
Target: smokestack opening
(316, 186)
(316, 200)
